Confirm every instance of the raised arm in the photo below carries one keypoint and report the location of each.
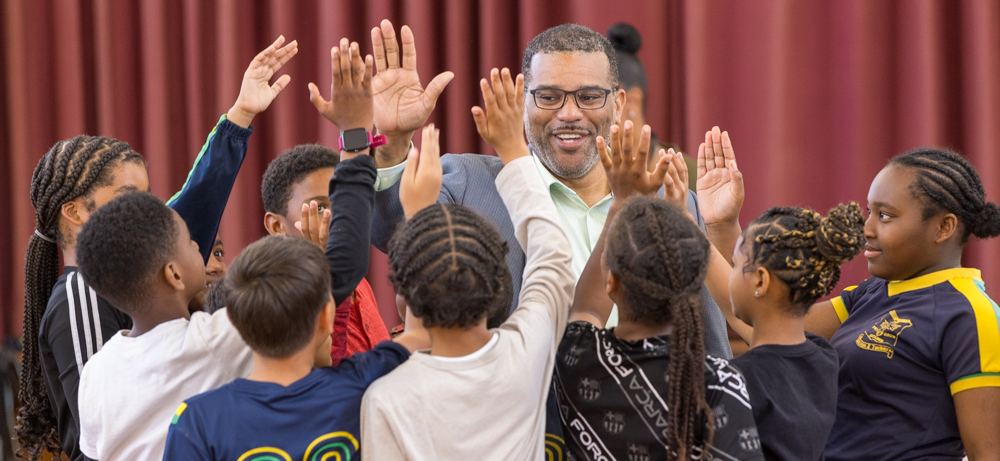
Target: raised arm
(351, 194)
(548, 278)
(627, 175)
(203, 197)
(720, 191)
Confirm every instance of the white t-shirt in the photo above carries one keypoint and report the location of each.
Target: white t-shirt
(490, 405)
(130, 390)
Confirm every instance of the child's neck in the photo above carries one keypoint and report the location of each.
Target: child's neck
(634, 331)
(777, 326)
(283, 371)
(457, 342)
(149, 317)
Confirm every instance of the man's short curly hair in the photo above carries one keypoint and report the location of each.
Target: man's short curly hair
(290, 168)
(571, 38)
(449, 264)
(124, 245)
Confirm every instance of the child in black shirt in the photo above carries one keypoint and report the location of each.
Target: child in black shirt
(785, 260)
(645, 389)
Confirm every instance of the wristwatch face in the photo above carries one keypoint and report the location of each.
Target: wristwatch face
(355, 140)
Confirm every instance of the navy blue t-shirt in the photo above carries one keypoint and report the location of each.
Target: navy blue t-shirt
(316, 417)
(905, 349)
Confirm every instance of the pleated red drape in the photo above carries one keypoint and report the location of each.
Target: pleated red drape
(816, 95)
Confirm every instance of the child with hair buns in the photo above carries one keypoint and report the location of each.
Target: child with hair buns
(786, 259)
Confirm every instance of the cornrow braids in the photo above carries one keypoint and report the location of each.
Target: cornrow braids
(947, 181)
(448, 263)
(71, 168)
(803, 249)
(660, 258)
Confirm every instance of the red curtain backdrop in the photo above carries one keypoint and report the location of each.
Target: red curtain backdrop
(816, 95)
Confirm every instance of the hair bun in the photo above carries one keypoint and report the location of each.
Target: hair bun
(625, 38)
(841, 234)
(987, 223)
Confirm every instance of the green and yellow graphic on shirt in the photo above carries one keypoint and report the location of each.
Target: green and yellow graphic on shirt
(554, 446)
(335, 446)
(177, 414)
(265, 454)
(884, 335)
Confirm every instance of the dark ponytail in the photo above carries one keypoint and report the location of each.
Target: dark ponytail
(70, 169)
(660, 258)
(626, 41)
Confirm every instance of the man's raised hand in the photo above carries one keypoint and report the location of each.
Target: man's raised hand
(502, 123)
(421, 183)
(256, 93)
(402, 105)
(720, 183)
(626, 166)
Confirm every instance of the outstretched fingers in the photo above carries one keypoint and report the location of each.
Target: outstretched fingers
(720, 157)
(391, 46)
(378, 49)
(709, 152)
(409, 48)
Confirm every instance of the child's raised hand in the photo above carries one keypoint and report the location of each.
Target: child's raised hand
(626, 170)
(675, 184)
(502, 123)
(255, 92)
(314, 226)
(720, 183)
(421, 182)
(351, 89)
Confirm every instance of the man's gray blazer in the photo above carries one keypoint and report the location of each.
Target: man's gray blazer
(469, 180)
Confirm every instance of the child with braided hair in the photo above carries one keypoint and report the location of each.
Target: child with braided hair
(646, 389)
(918, 343)
(483, 390)
(785, 260)
(65, 321)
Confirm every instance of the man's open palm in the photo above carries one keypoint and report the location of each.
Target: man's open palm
(401, 103)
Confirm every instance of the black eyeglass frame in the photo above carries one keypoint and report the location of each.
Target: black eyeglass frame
(576, 97)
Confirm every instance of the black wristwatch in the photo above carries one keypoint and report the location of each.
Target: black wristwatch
(359, 139)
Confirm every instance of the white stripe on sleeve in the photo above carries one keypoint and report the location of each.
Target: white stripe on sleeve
(85, 316)
(71, 301)
(98, 331)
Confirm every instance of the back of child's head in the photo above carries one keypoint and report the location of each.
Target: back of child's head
(449, 264)
(660, 257)
(123, 247)
(290, 168)
(274, 292)
(72, 168)
(947, 182)
(803, 249)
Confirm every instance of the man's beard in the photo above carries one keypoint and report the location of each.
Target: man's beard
(542, 146)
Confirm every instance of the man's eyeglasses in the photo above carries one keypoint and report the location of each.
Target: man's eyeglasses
(586, 98)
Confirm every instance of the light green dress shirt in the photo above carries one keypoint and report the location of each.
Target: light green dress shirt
(582, 224)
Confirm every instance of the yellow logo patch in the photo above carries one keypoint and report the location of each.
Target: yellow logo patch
(884, 336)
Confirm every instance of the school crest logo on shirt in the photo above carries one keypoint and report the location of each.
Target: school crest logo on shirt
(638, 452)
(614, 422)
(572, 356)
(883, 336)
(589, 389)
(749, 440)
(721, 417)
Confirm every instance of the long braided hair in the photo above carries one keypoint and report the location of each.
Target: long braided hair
(448, 262)
(70, 169)
(660, 259)
(803, 249)
(947, 181)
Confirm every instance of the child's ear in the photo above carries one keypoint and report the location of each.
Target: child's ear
(761, 282)
(946, 227)
(326, 317)
(273, 224)
(172, 274)
(73, 212)
(611, 285)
